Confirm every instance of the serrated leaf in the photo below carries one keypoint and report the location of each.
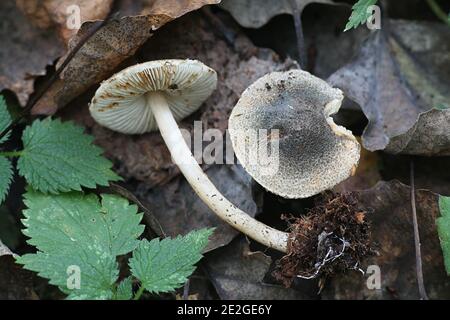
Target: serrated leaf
(359, 14)
(443, 227)
(59, 157)
(5, 118)
(6, 174)
(74, 229)
(163, 265)
(124, 289)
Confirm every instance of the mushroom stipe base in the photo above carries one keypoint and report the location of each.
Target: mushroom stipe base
(333, 237)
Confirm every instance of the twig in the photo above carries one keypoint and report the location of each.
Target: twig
(302, 58)
(420, 282)
(34, 99)
(186, 290)
(434, 6)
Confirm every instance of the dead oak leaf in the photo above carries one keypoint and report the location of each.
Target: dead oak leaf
(110, 46)
(25, 51)
(256, 13)
(400, 74)
(60, 14)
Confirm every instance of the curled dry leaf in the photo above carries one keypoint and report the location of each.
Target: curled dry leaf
(63, 14)
(145, 157)
(180, 210)
(400, 74)
(110, 46)
(237, 273)
(256, 13)
(392, 233)
(25, 51)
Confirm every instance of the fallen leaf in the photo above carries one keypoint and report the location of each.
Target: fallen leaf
(392, 232)
(110, 46)
(15, 282)
(180, 210)
(25, 51)
(237, 273)
(62, 14)
(400, 74)
(145, 157)
(256, 13)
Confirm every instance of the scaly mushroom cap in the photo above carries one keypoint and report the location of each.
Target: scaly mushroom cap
(120, 102)
(315, 154)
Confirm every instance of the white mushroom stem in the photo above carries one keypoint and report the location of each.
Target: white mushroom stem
(201, 184)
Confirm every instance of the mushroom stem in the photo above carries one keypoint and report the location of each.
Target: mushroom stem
(201, 184)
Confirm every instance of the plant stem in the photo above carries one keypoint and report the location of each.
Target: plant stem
(419, 272)
(201, 184)
(139, 293)
(11, 153)
(34, 99)
(302, 57)
(434, 6)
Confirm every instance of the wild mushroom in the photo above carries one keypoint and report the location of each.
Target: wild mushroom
(314, 154)
(153, 95)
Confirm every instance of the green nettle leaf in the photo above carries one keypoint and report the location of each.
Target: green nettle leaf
(78, 239)
(443, 227)
(6, 174)
(163, 265)
(58, 157)
(359, 13)
(5, 118)
(124, 289)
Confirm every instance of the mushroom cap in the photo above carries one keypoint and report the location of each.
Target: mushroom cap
(314, 154)
(120, 102)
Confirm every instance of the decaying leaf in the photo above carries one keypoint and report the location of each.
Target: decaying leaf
(256, 13)
(401, 73)
(25, 51)
(237, 273)
(392, 233)
(180, 210)
(15, 283)
(145, 157)
(110, 46)
(65, 15)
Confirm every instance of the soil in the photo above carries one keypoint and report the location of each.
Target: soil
(334, 236)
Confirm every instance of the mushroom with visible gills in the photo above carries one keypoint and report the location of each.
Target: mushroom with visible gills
(153, 95)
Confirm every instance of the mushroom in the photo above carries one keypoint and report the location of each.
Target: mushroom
(314, 154)
(154, 95)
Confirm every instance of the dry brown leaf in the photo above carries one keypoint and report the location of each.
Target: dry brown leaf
(237, 273)
(400, 74)
(56, 13)
(110, 46)
(392, 231)
(25, 51)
